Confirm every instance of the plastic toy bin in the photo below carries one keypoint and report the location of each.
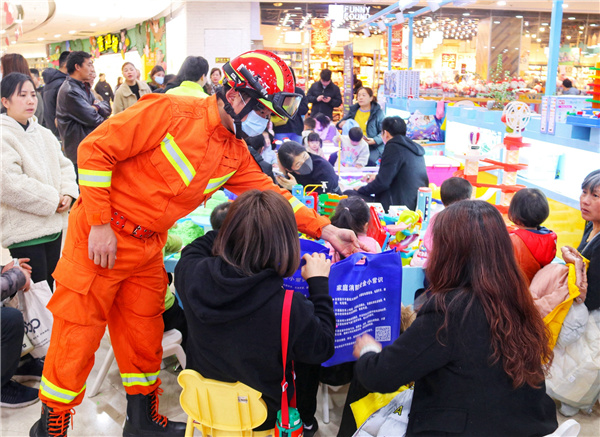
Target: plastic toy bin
(440, 168)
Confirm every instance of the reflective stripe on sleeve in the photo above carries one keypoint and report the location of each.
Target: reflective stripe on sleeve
(216, 183)
(93, 178)
(177, 159)
(144, 379)
(296, 204)
(56, 393)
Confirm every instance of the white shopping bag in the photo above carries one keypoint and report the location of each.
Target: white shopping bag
(38, 319)
(391, 420)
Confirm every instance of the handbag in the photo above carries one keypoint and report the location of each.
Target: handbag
(390, 420)
(296, 282)
(288, 423)
(38, 319)
(366, 289)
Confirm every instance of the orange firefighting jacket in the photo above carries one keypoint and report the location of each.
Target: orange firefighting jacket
(161, 158)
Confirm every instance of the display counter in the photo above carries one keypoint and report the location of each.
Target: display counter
(557, 162)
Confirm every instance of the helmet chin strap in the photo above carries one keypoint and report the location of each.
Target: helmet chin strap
(237, 118)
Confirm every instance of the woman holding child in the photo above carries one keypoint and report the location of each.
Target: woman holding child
(478, 349)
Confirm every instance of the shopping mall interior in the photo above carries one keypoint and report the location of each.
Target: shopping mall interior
(453, 70)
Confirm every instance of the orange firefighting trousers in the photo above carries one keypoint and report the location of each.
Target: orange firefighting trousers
(129, 298)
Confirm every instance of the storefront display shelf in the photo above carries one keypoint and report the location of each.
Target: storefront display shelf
(566, 135)
(569, 154)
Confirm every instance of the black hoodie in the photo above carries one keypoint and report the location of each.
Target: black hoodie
(401, 174)
(53, 79)
(234, 323)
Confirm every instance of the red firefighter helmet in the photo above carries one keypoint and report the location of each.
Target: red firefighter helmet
(266, 78)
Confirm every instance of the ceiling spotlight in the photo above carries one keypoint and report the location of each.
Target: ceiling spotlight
(539, 40)
(381, 26)
(534, 36)
(526, 23)
(544, 24)
(57, 35)
(466, 14)
(366, 31)
(40, 39)
(2, 31)
(496, 22)
(572, 18)
(568, 36)
(93, 24)
(400, 17)
(581, 27)
(519, 16)
(72, 32)
(501, 3)
(542, 29)
(565, 5)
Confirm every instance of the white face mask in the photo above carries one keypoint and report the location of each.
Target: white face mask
(254, 124)
(159, 79)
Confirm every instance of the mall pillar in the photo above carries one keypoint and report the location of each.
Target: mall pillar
(215, 31)
(483, 48)
(555, 30)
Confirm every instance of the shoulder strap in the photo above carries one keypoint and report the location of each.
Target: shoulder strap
(285, 333)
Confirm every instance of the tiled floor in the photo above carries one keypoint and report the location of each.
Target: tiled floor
(104, 414)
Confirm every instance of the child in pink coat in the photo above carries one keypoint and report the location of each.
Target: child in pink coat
(353, 213)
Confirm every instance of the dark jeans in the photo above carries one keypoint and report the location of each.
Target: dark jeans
(11, 341)
(44, 258)
(174, 318)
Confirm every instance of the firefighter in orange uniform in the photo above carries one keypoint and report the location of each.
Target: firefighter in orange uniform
(139, 172)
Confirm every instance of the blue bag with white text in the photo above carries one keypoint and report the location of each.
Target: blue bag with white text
(297, 282)
(366, 289)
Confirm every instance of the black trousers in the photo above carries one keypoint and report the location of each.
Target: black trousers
(44, 258)
(174, 318)
(11, 341)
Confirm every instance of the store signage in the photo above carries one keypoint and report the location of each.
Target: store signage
(319, 37)
(106, 43)
(397, 43)
(348, 78)
(221, 60)
(449, 60)
(341, 13)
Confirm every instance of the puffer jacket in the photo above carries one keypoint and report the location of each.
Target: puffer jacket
(76, 115)
(373, 127)
(53, 79)
(35, 174)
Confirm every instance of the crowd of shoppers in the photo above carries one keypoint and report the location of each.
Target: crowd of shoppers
(192, 143)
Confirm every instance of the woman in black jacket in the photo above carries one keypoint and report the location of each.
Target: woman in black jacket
(304, 168)
(478, 349)
(232, 290)
(402, 171)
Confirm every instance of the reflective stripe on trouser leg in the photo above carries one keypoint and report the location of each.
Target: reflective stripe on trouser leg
(69, 360)
(136, 327)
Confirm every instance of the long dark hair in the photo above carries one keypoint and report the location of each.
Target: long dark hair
(472, 252)
(260, 233)
(351, 213)
(13, 83)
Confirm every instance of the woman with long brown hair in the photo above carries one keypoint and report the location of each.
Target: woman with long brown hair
(478, 349)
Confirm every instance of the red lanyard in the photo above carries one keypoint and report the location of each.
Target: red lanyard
(285, 333)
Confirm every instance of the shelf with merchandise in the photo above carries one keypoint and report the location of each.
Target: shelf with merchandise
(557, 162)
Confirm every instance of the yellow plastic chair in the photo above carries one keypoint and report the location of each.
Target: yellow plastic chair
(221, 409)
